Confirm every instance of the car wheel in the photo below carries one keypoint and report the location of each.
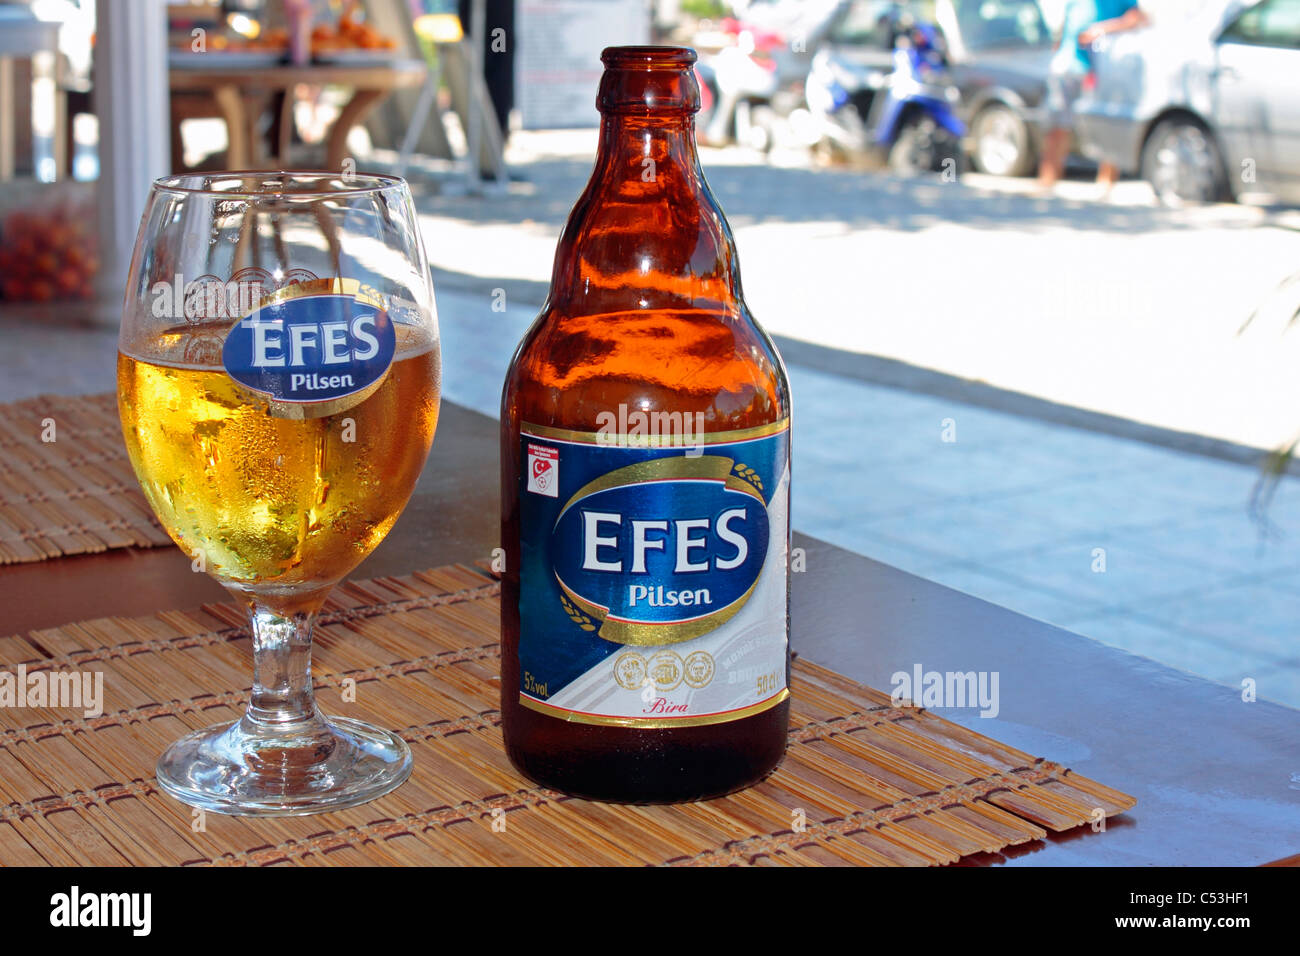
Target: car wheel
(1183, 164)
(1002, 146)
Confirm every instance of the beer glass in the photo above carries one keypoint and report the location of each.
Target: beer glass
(278, 383)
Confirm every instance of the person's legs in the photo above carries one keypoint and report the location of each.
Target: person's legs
(1051, 165)
(1107, 176)
(1062, 89)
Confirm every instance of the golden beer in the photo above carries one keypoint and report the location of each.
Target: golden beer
(278, 381)
(273, 504)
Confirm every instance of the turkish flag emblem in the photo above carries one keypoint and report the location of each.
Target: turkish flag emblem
(543, 470)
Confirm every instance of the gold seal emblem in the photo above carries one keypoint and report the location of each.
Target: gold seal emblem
(699, 668)
(629, 671)
(666, 670)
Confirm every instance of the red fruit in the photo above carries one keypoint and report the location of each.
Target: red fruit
(60, 235)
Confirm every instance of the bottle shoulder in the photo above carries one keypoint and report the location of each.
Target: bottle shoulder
(719, 362)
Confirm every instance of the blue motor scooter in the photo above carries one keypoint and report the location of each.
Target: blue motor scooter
(915, 121)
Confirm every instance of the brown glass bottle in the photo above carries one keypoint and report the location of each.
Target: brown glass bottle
(645, 313)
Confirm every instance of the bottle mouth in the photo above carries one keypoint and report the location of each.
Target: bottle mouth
(648, 57)
(648, 81)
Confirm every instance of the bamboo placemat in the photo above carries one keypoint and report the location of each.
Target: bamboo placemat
(863, 782)
(66, 485)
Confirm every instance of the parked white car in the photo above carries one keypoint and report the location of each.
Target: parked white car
(1205, 109)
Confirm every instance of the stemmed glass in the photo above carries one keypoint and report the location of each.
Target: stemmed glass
(278, 383)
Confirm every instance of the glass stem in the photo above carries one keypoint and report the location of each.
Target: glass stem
(282, 697)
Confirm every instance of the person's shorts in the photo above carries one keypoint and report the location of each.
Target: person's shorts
(1062, 90)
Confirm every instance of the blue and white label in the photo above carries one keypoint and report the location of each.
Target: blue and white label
(312, 348)
(653, 582)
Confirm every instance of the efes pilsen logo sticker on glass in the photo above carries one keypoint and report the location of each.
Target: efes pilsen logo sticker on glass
(313, 348)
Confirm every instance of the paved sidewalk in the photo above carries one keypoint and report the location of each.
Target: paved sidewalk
(1141, 547)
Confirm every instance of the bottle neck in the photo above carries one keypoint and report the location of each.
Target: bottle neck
(647, 232)
(636, 149)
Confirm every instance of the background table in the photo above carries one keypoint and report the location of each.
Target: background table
(1211, 772)
(239, 95)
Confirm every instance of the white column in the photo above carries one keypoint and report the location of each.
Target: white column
(131, 98)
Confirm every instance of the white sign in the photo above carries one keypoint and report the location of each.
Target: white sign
(558, 69)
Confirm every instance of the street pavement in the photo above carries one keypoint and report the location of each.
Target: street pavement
(1141, 545)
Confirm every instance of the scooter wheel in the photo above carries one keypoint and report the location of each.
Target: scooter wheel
(911, 151)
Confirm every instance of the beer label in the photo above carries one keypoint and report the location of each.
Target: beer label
(313, 348)
(653, 586)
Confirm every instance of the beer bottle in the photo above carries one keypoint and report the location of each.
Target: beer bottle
(645, 483)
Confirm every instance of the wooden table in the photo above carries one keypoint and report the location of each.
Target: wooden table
(1211, 772)
(239, 95)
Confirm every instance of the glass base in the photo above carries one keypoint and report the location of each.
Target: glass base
(324, 764)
